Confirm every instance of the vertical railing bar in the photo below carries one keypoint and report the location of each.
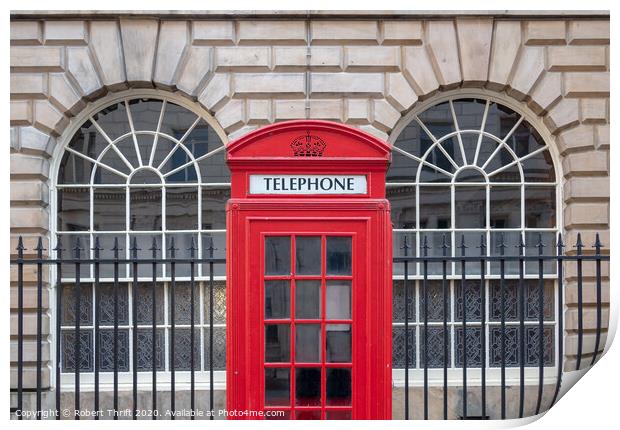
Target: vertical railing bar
(521, 247)
(464, 322)
(211, 294)
(444, 286)
(425, 293)
(78, 339)
(115, 249)
(597, 342)
(579, 301)
(406, 294)
(502, 247)
(39, 323)
(58, 322)
(483, 335)
(134, 337)
(154, 330)
(560, 311)
(20, 326)
(97, 333)
(192, 323)
(541, 327)
(172, 324)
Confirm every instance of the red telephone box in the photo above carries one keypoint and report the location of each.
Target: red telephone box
(309, 253)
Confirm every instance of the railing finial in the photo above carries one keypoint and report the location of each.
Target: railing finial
(502, 244)
(58, 248)
(39, 247)
(579, 244)
(192, 248)
(425, 246)
(97, 248)
(560, 244)
(154, 248)
(540, 245)
(210, 248)
(598, 244)
(482, 246)
(521, 245)
(172, 249)
(444, 245)
(116, 248)
(406, 246)
(462, 246)
(77, 248)
(134, 248)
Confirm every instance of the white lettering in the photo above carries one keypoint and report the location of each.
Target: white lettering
(308, 184)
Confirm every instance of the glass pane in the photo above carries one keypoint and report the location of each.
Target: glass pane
(183, 302)
(539, 168)
(144, 305)
(182, 245)
(73, 212)
(219, 302)
(74, 169)
(308, 299)
(144, 244)
(338, 255)
(435, 342)
(277, 387)
(109, 209)
(108, 295)
(338, 300)
(278, 255)
(177, 120)
(471, 240)
(86, 350)
(277, 299)
(500, 120)
(307, 415)
(435, 207)
(402, 203)
(69, 244)
(398, 301)
(473, 351)
(145, 209)
(338, 415)
(470, 207)
(145, 176)
(548, 239)
(469, 113)
(473, 300)
(338, 343)
(106, 351)
(181, 208)
(214, 207)
(512, 300)
(435, 293)
(505, 207)
(214, 168)
(470, 143)
(85, 306)
(511, 240)
(470, 175)
(114, 120)
(277, 343)
(183, 349)
(402, 168)
(308, 255)
(338, 387)
(308, 386)
(217, 240)
(398, 347)
(540, 207)
(399, 250)
(219, 348)
(439, 244)
(308, 343)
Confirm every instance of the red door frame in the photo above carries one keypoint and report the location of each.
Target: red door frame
(367, 216)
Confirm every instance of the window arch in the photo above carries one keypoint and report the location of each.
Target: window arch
(151, 170)
(466, 169)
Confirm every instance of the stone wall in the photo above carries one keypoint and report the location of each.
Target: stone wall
(367, 72)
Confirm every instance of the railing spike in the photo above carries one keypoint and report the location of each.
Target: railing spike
(134, 247)
(172, 249)
(597, 244)
(579, 244)
(192, 248)
(39, 247)
(540, 244)
(482, 246)
(77, 248)
(560, 244)
(502, 244)
(97, 248)
(116, 248)
(462, 246)
(406, 247)
(58, 248)
(425, 246)
(211, 248)
(20, 245)
(444, 245)
(521, 245)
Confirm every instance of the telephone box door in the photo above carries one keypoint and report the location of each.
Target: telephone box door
(311, 279)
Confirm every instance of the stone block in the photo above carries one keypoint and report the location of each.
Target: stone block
(34, 141)
(242, 58)
(546, 93)
(586, 188)
(357, 111)
(443, 50)
(563, 115)
(172, 43)
(589, 163)
(21, 112)
(418, 69)
(65, 32)
(384, 116)
(576, 139)
(586, 84)
(399, 92)
(594, 111)
(81, 67)
(259, 111)
(576, 58)
(26, 33)
(47, 118)
(588, 32)
(63, 95)
(586, 214)
(474, 40)
(196, 67)
(213, 32)
(279, 32)
(344, 32)
(544, 32)
(29, 193)
(347, 83)
(139, 38)
(232, 115)
(601, 140)
(401, 32)
(504, 51)
(28, 85)
(260, 84)
(217, 91)
(529, 69)
(324, 58)
(105, 43)
(331, 110)
(37, 59)
(31, 218)
(289, 109)
(371, 58)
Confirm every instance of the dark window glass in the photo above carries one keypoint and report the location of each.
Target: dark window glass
(505, 207)
(338, 387)
(338, 300)
(470, 207)
(308, 386)
(308, 255)
(435, 207)
(145, 209)
(308, 343)
(181, 208)
(278, 255)
(73, 209)
(338, 343)
(214, 207)
(307, 299)
(277, 387)
(277, 299)
(109, 209)
(277, 343)
(338, 256)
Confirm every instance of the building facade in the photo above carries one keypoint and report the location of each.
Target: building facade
(499, 124)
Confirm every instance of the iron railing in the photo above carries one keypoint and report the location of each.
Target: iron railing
(414, 269)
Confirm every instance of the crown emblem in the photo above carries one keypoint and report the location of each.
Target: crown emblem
(308, 146)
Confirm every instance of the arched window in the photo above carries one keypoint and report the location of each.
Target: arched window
(152, 170)
(468, 170)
